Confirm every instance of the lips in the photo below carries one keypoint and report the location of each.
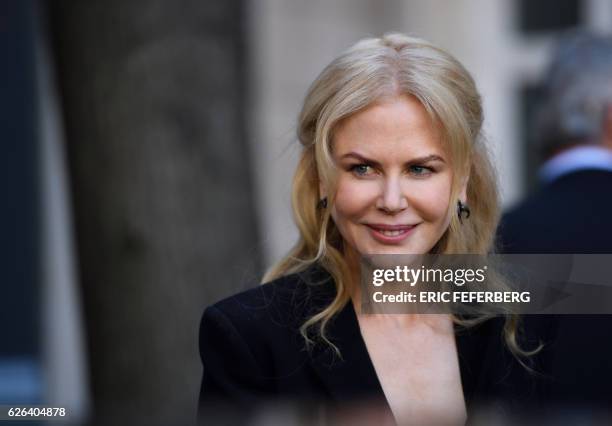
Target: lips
(390, 234)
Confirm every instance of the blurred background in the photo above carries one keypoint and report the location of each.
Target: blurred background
(149, 151)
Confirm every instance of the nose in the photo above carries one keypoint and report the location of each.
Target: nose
(392, 199)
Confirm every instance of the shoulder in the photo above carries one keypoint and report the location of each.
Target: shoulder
(263, 316)
(252, 337)
(526, 225)
(559, 195)
(568, 215)
(284, 300)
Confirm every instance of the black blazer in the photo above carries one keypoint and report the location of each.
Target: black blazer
(572, 214)
(252, 352)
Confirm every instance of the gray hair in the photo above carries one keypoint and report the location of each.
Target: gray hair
(578, 90)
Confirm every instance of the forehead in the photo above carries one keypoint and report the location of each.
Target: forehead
(397, 126)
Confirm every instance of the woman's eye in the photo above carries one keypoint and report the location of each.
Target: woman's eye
(420, 170)
(361, 169)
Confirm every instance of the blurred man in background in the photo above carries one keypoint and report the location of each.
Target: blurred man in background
(572, 213)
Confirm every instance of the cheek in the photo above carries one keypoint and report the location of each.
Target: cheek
(432, 200)
(353, 199)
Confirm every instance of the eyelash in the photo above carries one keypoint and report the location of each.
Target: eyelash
(355, 167)
(424, 171)
(427, 170)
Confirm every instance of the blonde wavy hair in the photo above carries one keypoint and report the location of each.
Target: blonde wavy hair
(371, 71)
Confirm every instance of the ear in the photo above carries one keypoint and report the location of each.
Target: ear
(463, 189)
(322, 190)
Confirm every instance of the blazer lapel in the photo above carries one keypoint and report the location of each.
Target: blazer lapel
(472, 349)
(352, 376)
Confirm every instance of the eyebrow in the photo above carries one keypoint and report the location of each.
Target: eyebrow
(418, 160)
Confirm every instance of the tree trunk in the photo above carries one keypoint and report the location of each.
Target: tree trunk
(153, 95)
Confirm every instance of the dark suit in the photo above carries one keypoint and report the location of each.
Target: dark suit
(252, 351)
(573, 214)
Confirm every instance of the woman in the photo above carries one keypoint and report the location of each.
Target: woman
(392, 156)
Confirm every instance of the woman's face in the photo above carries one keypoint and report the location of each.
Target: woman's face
(394, 181)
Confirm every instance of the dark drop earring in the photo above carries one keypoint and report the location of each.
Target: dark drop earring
(462, 211)
(322, 204)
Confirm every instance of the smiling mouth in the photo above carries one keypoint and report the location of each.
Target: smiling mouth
(390, 233)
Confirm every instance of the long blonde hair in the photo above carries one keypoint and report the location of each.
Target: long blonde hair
(370, 71)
